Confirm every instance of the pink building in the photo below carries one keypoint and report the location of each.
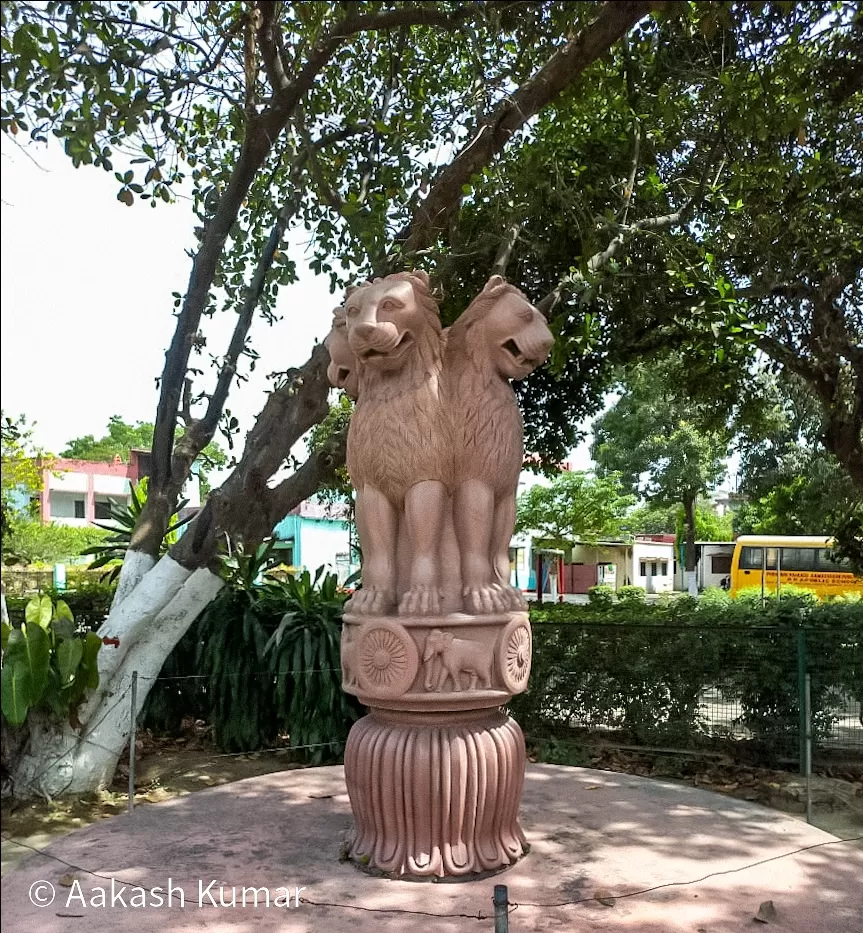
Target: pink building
(79, 492)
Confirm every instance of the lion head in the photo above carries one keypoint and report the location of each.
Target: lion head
(393, 320)
(501, 330)
(343, 371)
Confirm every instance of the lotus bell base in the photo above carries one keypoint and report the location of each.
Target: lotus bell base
(435, 794)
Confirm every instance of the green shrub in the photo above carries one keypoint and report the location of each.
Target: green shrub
(90, 601)
(266, 656)
(752, 595)
(715, 597)
(601, 596)
(847, 599)
(632, 595)
(650, 681)
(31, 542)
(47, 664)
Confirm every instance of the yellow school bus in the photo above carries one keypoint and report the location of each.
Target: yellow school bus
(799, 561)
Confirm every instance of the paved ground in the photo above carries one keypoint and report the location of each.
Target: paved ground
(594, 835)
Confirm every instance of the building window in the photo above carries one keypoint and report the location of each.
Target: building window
(720, 563)
(663, 571)
(516, 558)
(643, 571)
(102, 509)
(79, 509)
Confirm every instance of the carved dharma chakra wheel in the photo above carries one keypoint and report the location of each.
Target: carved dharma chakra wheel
(435, 775)
(436, 642)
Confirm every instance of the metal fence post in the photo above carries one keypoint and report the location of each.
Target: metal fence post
(501, 902)
(801, 697)
(133, 730)
(808, 771)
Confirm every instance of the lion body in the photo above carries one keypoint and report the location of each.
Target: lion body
(485, 419)
(399, 435)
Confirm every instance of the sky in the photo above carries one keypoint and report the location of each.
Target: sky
(86, 301)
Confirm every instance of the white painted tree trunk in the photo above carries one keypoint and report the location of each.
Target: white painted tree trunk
(692, 582)
(136, 565)
(149, 621)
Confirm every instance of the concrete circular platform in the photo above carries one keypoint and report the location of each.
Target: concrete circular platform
(592, 834)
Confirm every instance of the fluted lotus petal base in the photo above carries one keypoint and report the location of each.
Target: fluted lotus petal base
(436, 794)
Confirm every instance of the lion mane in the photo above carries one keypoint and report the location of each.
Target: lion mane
(484, 415)
(398, 435)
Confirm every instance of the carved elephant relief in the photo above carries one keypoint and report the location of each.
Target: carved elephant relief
(446, 658)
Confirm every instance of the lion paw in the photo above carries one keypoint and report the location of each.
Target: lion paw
(515, 598)
(484, 600)
(370, 600)
(420, 600)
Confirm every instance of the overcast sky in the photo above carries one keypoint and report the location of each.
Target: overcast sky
(86, 301)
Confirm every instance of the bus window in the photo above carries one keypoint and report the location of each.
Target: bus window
(799, 558)
(751, 558)
(827, 564)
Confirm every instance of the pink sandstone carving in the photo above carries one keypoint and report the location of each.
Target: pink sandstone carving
(500, 336)
(436, 641)
(398, 449)
(447, 657)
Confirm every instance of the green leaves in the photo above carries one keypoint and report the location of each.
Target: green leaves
(45, 663)
(39, 611)
(575, 507)
(124, 518)
(266, 655)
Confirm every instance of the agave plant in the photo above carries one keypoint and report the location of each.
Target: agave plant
(123, 520)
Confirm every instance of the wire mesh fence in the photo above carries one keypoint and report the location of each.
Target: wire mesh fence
(735, 690)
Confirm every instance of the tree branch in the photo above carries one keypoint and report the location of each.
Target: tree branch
(240, 504)
(269, 45)
(504, 252)
(319, 466)
(548, 303)
(630, 183)
(261, 135)
(432, 215)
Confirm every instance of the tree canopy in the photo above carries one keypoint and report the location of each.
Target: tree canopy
(654, 182)
(669, 447)
(21, 473)
(575, 507)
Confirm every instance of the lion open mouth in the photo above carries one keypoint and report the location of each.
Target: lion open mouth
(403, 343)
(513, 349)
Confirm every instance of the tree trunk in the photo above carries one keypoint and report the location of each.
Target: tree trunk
(60, 759)
(689, 545)
(158, 601)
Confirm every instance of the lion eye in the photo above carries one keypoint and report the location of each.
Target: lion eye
(352, 311)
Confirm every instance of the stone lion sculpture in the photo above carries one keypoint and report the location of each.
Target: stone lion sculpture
(399, 449)
(500, 336)
(343, 371)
